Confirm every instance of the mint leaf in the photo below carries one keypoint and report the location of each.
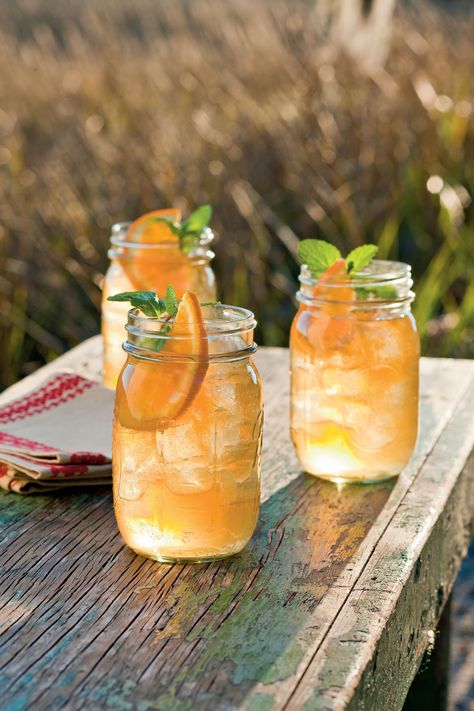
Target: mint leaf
(188, 241)
(318, 254)
(160, 342)
(175, 229)
(197, 221)
(360, 257)
(188, 231)
(364, 293)
(171, 302)
(146, 301)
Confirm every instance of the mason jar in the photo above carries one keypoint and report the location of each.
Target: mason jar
(187, 437)
(354, 352)
(141, 267)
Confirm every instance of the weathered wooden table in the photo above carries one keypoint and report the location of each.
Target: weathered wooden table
(331, 606)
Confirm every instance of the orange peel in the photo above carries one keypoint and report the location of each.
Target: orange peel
(158, 393)
(153, 269)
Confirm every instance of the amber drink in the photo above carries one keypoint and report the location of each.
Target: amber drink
(354, 374)
(187, 434)
(149, 260)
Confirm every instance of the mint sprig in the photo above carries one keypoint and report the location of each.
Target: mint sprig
(365, 293)
(171, 302)
(150, 304)
(146, 301)
(360, 257)
(318, 254)
(189, 231)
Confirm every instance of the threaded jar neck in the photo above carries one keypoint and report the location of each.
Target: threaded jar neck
(383, 287)
(122, 245)
(228, 336)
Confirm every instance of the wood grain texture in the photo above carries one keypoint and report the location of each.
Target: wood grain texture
(331, 606)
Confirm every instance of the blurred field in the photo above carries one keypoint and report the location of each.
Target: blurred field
(111, 108)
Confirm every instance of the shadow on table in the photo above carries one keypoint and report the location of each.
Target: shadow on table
(210, 634)
(250, 614)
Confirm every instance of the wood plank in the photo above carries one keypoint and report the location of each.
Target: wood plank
(443, 384)
(85, 622)
(390, 617)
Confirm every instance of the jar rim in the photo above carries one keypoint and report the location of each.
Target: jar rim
(229, 333)
(382, 285)
(118, 238)
(379, 271)
(231, 320)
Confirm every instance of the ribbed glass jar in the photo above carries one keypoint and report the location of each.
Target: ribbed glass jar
(187, 438)
(354, 374)
(140, 267)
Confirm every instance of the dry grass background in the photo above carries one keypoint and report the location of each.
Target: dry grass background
(110, 108)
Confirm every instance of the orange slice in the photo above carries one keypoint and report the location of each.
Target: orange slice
(158, 393)
(153, 269)
(332, 276)
(147, 231)
(332, 327)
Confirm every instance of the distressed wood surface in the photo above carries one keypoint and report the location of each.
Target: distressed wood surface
(331, 606)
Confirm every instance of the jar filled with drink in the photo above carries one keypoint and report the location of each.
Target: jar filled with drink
(187, 431)
(148, 254)
(354, 352)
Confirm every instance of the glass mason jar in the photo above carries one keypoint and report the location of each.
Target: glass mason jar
(354, 352)
(187, 439)
(136, 267)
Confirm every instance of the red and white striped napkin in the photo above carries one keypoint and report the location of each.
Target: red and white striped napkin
(57, 435)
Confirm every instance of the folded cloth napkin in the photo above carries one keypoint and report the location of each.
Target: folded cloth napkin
(56, 436)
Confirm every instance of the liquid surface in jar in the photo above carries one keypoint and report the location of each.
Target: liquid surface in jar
(354, 411)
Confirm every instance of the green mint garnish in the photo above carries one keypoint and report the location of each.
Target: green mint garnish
(318, 254)
(364, 293)
(198, 220)
(171, 302)
(360, 257)
(190, 230)
(158, 343)
(150, 304)
(146, 301)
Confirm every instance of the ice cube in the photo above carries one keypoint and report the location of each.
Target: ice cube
(181, 442)
(397, 395)
(346, 383)
(385, 342)
(357, 416)
(138, 464)
(380, 433)
(191, 476)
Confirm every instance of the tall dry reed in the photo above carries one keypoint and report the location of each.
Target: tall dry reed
(112, 108)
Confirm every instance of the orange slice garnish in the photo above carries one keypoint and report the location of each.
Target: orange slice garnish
(332, 326)
(153, 269)
(332, 276)
(147, 230)
(158, 393)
